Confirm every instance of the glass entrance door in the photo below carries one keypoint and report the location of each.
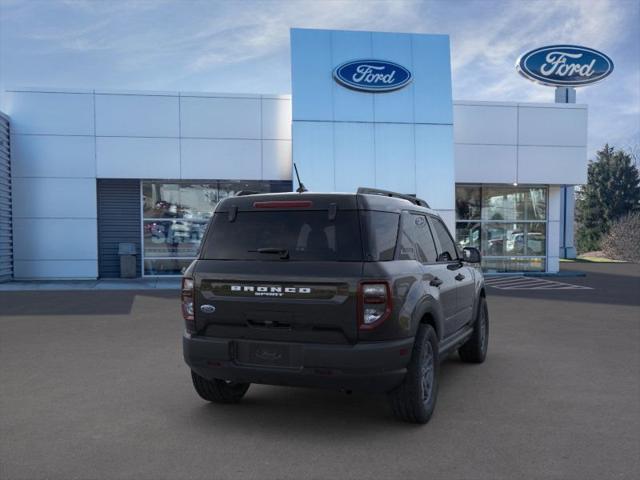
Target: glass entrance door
(508, 224)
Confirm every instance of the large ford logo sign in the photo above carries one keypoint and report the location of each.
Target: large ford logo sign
(564, 65)
(372, 75)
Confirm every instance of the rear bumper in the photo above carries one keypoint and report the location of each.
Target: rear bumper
(370, 367)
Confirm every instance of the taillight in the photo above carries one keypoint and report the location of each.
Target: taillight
(186, 298)
(374, 304)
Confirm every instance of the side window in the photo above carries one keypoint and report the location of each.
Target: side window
(448, 251)
(425, 239)
(380, 233)
(416, 242)
(407, 250)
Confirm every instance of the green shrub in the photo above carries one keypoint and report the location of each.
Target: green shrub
(612, 190)
(623, 240)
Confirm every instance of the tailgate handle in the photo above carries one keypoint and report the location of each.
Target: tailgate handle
(268, 323)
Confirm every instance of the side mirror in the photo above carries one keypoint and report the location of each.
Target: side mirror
(471, 255)
(444, 257)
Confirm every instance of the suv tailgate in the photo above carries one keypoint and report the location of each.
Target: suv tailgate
(278, 300)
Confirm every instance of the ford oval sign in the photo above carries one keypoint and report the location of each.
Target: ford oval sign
(372, 75)
(564, 65)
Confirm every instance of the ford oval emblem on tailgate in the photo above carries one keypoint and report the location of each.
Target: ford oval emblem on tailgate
(207, 308)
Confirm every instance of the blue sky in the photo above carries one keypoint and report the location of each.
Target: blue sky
(243, 46)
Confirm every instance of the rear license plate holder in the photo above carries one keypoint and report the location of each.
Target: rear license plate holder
(266, 354)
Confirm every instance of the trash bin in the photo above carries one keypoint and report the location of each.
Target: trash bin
(127, 252)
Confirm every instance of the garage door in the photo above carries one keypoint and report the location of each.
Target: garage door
(118, 222)
(6, 240)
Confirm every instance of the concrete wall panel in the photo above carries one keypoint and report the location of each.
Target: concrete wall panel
(313, 153)
(55, 269)
(432, 93)
(55, 239)
(395, 157)
(221, 159)
(552, 165)
(54, 197)
(485, 124)
(220, 117)
(276, 160)
(50, 113)
(137, 115)
(312, 54)
(355, 164)
(119, 157)
(434, 143)
(276, 119)
(486, 163)
(53, 156)
(547, 126)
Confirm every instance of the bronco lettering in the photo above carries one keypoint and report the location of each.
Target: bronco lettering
(269, 290)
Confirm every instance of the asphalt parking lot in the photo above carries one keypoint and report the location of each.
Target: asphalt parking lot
(92, 385)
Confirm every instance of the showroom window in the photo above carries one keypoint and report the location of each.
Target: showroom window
(175, 216)
(507, 224)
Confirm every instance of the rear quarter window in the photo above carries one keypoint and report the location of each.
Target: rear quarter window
(380, 231)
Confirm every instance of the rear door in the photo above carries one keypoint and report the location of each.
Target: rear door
(280, 275)
(416, 243)
(461, 276)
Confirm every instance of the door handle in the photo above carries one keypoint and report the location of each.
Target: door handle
(435, 282)
(459, 277)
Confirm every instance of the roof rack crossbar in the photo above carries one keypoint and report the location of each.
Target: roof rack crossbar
(387, 193)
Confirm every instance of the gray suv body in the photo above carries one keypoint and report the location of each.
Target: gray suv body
(363, 291)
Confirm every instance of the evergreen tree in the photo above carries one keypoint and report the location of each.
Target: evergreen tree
(612, 190)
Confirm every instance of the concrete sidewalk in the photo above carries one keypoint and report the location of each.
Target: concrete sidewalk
(100, 284)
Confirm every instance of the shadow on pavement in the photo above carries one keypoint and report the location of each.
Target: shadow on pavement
(311, 413)
(79, 302)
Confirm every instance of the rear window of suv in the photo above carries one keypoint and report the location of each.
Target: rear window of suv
(298, 235)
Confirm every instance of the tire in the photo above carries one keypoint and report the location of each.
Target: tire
(415, 399)
(219, 391)
(474, 350)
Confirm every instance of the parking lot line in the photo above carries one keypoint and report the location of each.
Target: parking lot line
(530, 283)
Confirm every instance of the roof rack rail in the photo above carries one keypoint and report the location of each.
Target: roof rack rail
(243, 193)
(387, 193)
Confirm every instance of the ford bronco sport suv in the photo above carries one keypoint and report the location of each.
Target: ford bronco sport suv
(363, 291)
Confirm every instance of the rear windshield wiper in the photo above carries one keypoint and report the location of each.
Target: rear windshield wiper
(283, 252)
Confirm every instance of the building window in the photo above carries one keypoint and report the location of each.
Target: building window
(507, 224)
(175, 216)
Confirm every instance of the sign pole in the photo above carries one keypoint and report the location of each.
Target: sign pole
(565, 67)
(565, 95)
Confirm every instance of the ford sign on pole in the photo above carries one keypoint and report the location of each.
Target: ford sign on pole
(372, 75)
(564, 66)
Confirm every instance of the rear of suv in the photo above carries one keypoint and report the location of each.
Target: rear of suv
(364, 292)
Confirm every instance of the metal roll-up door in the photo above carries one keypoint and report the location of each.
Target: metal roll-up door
(6, 231)
(118, 222)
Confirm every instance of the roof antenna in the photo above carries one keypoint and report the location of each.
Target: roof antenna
(301, 188)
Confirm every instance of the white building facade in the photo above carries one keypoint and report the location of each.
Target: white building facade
(91, 170)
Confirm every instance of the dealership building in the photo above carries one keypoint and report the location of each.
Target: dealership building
(89, 175)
